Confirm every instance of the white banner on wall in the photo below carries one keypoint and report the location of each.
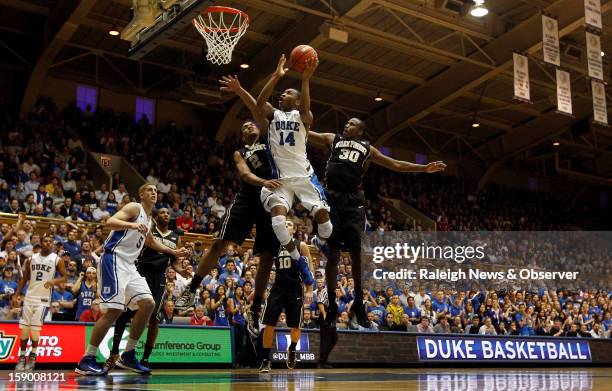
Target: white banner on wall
(564, 92)
(521, 77)
(594, 56)
(600, 111)
(592, 13)
(550, 40)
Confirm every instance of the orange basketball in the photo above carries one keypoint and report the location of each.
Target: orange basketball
(299, 55)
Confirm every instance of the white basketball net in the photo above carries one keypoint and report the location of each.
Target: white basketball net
(221, 30)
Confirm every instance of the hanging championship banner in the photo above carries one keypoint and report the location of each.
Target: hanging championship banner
(564, 92)
(521, 78)
(594, 56)
(550, 40)
(592, 13)
(600, 111)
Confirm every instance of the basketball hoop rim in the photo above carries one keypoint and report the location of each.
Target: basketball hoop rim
(222, 9)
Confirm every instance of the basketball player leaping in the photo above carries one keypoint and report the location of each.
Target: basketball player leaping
(120, 284)
(39, 273)
(253, 164)
(344, 173)
(287, 134)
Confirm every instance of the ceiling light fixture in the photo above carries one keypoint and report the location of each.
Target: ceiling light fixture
(244, 66)
(479, 9)
(378, 97)
(113, 31)
(556, 144)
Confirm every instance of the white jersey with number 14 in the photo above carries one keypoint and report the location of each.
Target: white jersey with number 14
(287, 143)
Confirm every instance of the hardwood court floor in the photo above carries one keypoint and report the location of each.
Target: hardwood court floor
(396, 379)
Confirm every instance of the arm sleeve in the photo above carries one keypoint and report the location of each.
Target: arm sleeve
(305, 272)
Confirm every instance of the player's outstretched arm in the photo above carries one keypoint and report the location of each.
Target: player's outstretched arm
(305, 113)
(123, 219)
(25, 277)
(248, 177)
(159, 247)
(232, 84)
(262, 100)
(321, 140)
(402, 166)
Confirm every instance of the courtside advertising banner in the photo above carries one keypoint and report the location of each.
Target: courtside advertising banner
(65, 343)
(468, 348)
(58, 343)
(178, 345)
(303, 349)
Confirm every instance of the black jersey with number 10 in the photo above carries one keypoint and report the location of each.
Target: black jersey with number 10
(346, 164)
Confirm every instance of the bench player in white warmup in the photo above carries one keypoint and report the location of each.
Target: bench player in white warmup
(287, 135)
(120, 284)
(39, 272)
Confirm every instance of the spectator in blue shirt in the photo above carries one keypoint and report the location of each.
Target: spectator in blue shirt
(7, 286)
(72, 245)
(230, 272)
(66, 301)
(456, 309)
(379, 310)
(414, 314)
(439, 304)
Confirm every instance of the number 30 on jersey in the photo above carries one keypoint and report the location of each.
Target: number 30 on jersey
(349, 154)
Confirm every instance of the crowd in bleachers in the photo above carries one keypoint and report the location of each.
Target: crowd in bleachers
(42, 174)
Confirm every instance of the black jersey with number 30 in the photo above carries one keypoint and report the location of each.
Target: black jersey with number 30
(257, 158)
(346, 164)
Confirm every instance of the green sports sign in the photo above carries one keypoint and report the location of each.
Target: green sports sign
(178, 345)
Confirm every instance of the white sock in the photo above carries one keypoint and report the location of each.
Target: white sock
(325, 230)
(131, 344)
(91, 350)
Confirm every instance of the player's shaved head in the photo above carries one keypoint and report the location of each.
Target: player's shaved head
(290, 99)
(296, 92)
(360, 123)
(355, 128)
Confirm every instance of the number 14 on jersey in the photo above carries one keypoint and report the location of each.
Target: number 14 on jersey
(290, 139)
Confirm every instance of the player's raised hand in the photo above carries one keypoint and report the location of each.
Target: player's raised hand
(230, 83)
(280, 67)
(142, 228)
(311, 66)
(272, 184)
(435, 167)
